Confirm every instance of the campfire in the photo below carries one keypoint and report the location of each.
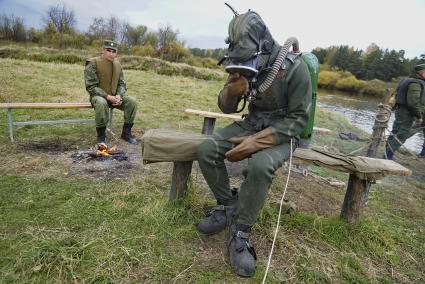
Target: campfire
(101, 153)
(104, 151)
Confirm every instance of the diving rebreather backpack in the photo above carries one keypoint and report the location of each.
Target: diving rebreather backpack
(313, 67)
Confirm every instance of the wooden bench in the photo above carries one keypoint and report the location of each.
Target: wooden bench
(182, 170)
(11, 106)
(359, 180)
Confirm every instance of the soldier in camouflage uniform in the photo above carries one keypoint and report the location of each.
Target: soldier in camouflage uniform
(275, 119)
(409, 110)
(104, 80)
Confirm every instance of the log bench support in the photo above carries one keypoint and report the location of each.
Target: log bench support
(352, 205)
(11, 122)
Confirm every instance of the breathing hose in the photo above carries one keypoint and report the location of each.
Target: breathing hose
(292, 41)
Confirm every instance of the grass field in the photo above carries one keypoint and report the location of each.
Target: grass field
(63, 221)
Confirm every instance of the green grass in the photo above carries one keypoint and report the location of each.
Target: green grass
(61, 224)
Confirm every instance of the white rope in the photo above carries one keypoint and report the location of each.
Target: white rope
(278, 218)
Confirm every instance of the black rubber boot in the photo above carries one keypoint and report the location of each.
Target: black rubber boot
(242, 255)
(101, 137)
(219, 217)
(126, 133)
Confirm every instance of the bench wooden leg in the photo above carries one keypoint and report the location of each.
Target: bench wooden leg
(208, 127)
(181, 173)
(10, 120)
(351, 208)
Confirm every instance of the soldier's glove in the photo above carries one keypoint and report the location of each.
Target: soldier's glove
(236, 86)
(248, 145)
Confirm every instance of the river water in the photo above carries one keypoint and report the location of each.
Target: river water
(360, 111)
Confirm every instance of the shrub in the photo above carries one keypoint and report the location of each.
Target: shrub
(350, 84)
(145, 50)
(169, 70)
(15, 53)
(38, 57)
(328, 79)
(374, 87)
(69, 58)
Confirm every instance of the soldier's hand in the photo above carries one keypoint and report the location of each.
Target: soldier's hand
(247, 145)
(118, 101)
(110, 99)
(114, 100)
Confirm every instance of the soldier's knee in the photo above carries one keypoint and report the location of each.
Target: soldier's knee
(205, 149)
(130, 101)
(100, 102)
(260, 165)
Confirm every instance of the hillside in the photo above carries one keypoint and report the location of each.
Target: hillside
(63, 220)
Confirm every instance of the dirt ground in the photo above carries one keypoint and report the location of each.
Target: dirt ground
(64, 153)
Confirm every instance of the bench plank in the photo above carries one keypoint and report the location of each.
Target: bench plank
(212, 114)
(43, 105)
(215, 115)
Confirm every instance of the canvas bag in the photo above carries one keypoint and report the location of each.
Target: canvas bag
(163, 145)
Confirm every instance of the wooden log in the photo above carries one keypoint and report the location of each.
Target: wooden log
(381, 123)
(181, 173)
(376, 140)
(351, 208)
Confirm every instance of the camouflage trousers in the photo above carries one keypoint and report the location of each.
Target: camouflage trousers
(402, 128)
(101, 109)
(258, 175)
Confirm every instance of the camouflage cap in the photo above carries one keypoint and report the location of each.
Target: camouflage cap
(420, 67)
(110, 44)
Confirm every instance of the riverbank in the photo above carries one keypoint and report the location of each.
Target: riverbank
(346, 82)
(66, 221)
(360, 111)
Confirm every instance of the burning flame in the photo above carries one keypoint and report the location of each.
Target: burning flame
(103, 150)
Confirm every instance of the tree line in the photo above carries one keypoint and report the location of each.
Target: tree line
(373, 63)
(59, 30)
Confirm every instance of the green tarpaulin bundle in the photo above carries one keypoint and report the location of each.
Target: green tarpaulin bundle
(163, 145)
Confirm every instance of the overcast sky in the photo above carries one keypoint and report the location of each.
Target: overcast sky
(392, 24)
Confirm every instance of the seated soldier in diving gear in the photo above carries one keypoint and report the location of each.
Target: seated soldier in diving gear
(104, 80)
(276, 117)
